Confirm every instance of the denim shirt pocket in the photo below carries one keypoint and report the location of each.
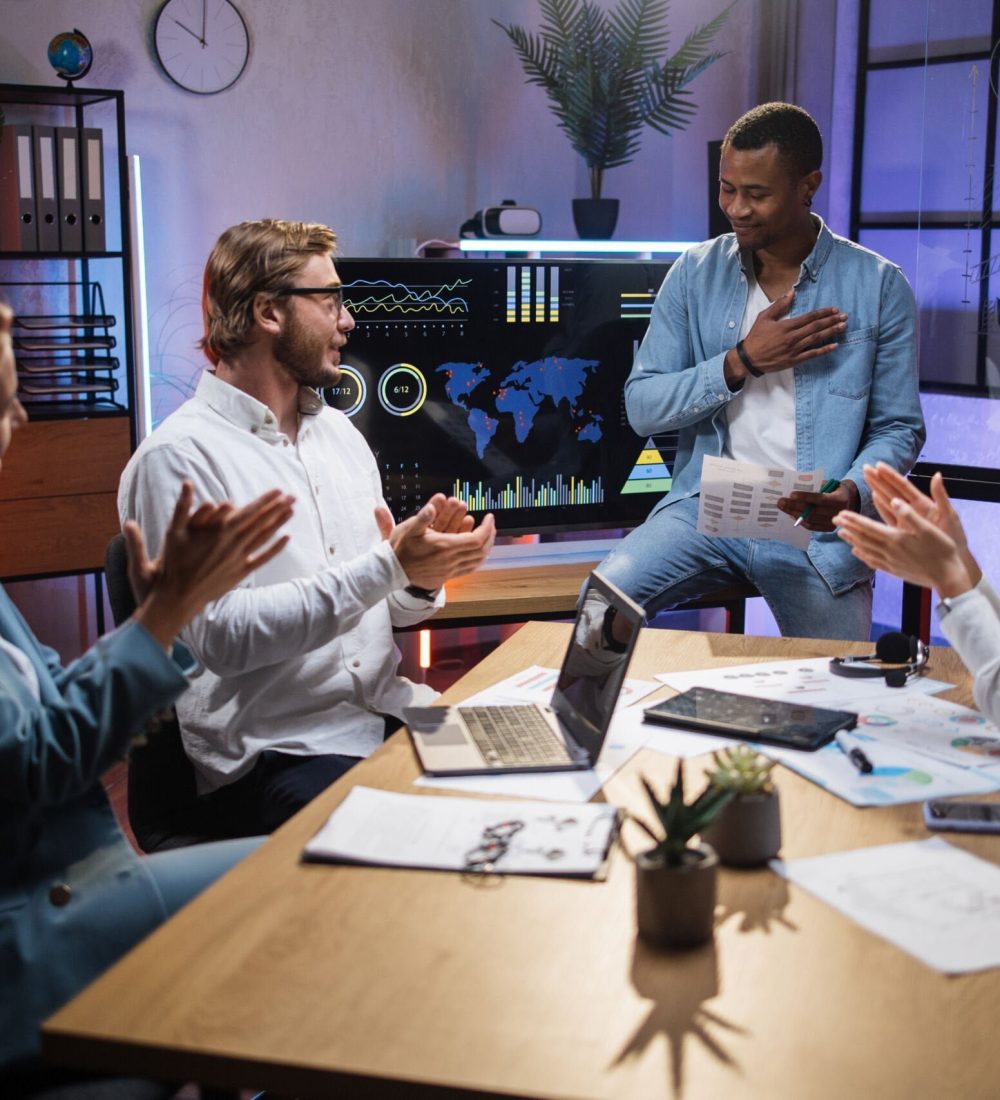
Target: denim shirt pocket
(849, 368)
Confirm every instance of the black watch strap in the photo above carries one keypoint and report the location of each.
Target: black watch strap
(420, 593)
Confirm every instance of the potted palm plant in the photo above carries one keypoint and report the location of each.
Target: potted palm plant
(607, 74)
(747, 832)
(676, 880)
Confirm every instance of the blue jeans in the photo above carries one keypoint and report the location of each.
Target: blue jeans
(666, 562)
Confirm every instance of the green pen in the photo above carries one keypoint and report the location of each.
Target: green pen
(828, 486)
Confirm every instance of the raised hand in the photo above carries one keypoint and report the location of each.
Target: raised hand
(888, 485)
(204, 554)
(914, 549)
(439, 542)
(776, 342)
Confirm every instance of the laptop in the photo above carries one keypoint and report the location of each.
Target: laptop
(567, 734)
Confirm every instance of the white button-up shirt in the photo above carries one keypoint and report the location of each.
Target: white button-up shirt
(300, 656)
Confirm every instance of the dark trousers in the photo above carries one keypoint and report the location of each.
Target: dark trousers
(277, 787)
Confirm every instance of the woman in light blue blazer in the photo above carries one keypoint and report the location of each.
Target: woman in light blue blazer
(74, 896)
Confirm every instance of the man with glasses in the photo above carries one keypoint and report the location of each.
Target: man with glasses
(299, 671)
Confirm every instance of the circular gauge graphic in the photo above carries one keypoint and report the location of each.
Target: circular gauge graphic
(402, 390)
(350, 392)
(978, 746)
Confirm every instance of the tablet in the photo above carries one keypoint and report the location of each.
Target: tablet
(791, 725)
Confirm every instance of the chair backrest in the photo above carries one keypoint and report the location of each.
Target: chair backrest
(164, 810)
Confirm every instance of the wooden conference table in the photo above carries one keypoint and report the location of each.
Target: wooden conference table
(337, 981)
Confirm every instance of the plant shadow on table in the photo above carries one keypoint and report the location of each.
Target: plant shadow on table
(678, 983)
(757, 897)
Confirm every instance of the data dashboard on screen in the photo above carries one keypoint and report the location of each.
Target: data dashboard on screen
(501, 382)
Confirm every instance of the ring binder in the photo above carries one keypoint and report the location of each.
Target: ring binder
(92, 187)
(70, 225)
(18, 230)
(46, 202)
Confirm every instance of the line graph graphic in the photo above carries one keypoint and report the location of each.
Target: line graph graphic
(384, 300)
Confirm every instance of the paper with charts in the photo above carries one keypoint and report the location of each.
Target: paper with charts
(802, 679)
(900, 774)
(928, 897)
(740, 500)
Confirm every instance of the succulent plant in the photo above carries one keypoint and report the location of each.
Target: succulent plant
(680, 821)
(741, 770)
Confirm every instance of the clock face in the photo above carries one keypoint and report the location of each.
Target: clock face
(203, 45)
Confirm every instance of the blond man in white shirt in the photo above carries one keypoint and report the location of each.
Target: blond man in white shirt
(298, 675)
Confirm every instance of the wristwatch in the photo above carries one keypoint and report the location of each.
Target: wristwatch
(420, 593)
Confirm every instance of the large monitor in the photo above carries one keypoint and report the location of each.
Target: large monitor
(501, 382)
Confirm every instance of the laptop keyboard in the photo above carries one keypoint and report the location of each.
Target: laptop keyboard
(514, 736)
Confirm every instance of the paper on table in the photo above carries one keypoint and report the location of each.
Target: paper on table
(946, 731)
(928, 897)
(534, 685)
(740, 500)
(388, 829)
(807, 680)
(900, 774)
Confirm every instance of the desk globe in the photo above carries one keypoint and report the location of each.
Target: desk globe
(71, 55)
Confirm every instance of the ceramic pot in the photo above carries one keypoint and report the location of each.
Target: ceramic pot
(595, 219)
(748, 831)
(675, 906)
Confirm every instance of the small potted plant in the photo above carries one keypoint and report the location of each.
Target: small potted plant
(676, 880)
(747, 832)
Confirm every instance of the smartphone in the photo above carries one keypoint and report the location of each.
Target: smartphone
(962, 817)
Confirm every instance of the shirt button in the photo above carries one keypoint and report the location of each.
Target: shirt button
(355, 664)
(332, 548)
(732, 324)
(60, 894)
(284, 443)
(254, 430)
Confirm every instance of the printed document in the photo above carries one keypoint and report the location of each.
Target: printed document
(928, 897)
(740, 500)
(435, 832)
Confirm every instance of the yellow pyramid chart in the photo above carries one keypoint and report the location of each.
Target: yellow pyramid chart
(650, 473)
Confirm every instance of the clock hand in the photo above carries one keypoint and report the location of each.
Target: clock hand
(190, 32)
(204, 8)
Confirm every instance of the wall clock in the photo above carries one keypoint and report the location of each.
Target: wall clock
(203, 45)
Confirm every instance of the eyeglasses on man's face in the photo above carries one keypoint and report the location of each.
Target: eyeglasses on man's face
(330, 296)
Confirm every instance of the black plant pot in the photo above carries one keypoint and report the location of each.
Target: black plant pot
(595, 219)
(675, 906)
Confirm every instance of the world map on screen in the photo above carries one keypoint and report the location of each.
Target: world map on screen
(520, 396)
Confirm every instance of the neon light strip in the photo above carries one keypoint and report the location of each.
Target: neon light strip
(512, 244)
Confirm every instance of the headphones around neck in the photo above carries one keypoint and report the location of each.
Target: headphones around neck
(910, 654)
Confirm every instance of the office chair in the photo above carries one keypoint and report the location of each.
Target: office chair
(164, 810)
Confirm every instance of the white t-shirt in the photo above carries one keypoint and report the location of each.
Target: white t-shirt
(761, 417)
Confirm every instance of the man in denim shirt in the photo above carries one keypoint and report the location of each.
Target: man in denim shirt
(780, 344)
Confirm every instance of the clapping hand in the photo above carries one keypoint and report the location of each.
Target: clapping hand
(204, 554)
(922, 540)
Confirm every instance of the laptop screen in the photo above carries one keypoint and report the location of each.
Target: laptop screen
(590, 681)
